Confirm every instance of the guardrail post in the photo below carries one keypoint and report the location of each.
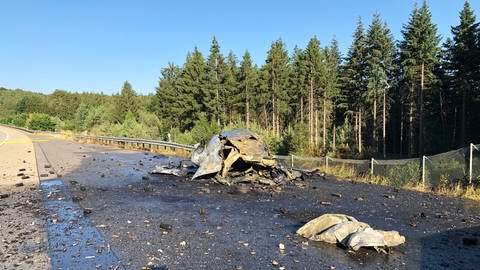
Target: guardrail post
(292, 161)
(470, 172)
(371, 166)
(423, 170)
(326, 163)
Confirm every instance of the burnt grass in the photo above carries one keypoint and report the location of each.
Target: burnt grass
(168, 222)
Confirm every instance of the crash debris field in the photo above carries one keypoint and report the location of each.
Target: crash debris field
(158, 221)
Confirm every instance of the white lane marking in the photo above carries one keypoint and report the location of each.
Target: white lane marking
(7, 136)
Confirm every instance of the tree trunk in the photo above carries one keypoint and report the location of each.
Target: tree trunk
(324, 123)
(360, 131)
(374, 130)
(410, 123)
(273, 116)
(356, 130)
(247, 105)
(334, 138)
(384, 125)
(316, 127)
(310, 112)
(463, 114)
(401, 130)
(301, 109)
(420, 131)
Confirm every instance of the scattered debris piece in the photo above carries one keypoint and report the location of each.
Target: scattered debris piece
(44, 175)
(47, 166)
(203, 211)
(346, 230)
(166, 227)
(25, 177)
(21, 170)
(87, 211)
(19, 184)
(338, 195)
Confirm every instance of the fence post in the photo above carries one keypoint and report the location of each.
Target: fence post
(470, 172)
(326, 163)
(292, 160)
(423, 170)
(371, 166)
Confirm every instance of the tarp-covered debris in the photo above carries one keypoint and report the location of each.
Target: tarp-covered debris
(234, 157)
(347, 231)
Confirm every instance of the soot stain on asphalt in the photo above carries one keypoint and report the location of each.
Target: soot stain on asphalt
(245, 229)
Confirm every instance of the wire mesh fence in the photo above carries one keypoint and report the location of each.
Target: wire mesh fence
(441, 170)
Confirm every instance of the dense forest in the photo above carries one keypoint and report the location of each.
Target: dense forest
(384, 98)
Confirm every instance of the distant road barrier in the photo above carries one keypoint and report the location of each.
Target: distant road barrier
(151, 145)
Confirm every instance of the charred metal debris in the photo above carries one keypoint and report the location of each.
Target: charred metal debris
(237, 156)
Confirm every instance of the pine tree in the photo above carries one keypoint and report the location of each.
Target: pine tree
(213, 94)
(126, 102)
(277, 74)
(166, 94)
(299, 90)
(191, 99)
(230, 87)
(334, 95)
(247, 82)
(380, 54)
(464, 66)
(418, 58)
(314, 70)
(354, 81)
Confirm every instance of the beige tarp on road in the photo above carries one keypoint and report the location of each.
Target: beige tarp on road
(346, 230)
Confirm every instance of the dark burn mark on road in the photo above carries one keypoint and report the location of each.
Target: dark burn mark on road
(74, 242)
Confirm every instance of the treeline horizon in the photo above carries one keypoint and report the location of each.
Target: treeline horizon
(382, 99)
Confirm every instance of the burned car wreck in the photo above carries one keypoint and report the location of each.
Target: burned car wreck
(237, 156)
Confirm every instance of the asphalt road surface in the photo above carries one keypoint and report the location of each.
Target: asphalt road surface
(135, 220)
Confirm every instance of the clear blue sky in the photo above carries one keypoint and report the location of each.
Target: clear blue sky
(95, 46)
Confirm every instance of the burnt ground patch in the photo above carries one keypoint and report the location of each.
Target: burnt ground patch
(212, 226)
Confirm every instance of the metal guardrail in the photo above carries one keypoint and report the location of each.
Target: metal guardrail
(144, 142)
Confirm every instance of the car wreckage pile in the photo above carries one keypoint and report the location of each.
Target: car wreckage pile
(237, 156)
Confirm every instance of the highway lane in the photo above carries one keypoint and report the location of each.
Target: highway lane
(156, 220)
(4, 136)
(23, 242)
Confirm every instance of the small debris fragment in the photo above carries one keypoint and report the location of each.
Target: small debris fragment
(20, 174)
(325, 203)
(21, 170)
(389, 196)
(77, 199)
(338, 195)
(145, 178)
(203, 211)
(102, 175)
(359, 199)
(275, 263)
(87, 211)
(19, 184)
(281, 246)
(47, 166)
(44, 175)
(3, 196)
(166, 227)
(183, 243)
(25, 177)
(283, 211)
